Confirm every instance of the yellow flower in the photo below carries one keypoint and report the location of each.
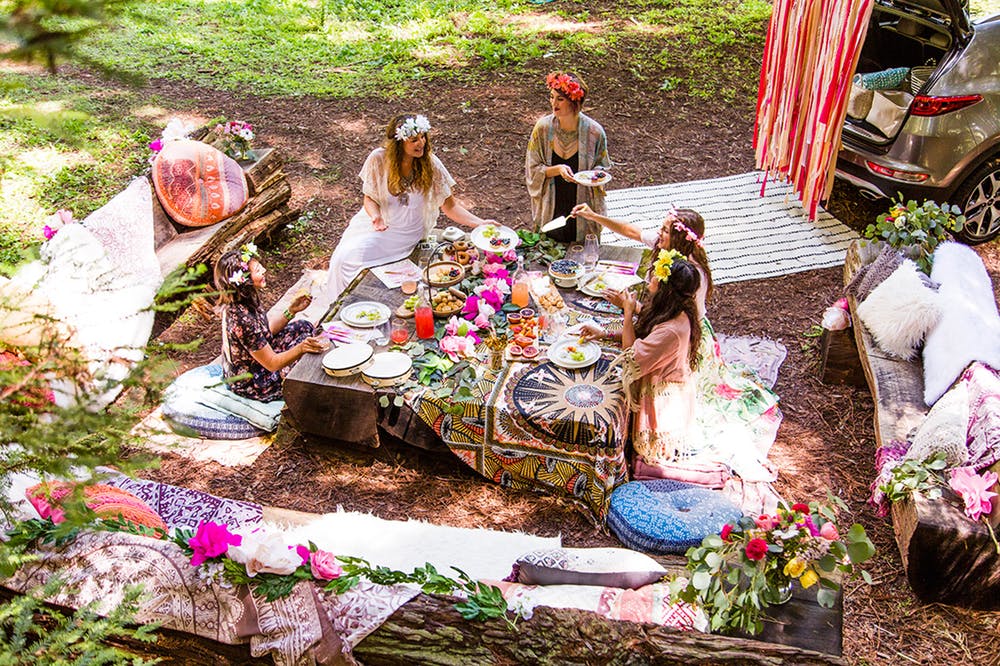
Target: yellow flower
(664, 262)
(808, 579)
(794, 567)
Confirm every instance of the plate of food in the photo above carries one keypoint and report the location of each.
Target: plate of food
(574, 354)
(445, 273)
(447, 302)
(596, 286)
(493, 238)
(365, 314)
(461, 252)
(592, 177)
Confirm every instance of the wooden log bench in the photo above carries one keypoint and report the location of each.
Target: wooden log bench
(948, 558)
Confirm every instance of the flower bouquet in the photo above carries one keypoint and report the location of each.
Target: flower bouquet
(235, 137)
(753, 564)
(917, 229)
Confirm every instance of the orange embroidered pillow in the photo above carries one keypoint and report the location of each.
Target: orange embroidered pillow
(106, 501)
(197, 184)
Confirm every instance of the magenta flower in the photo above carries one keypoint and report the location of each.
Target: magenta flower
(156, 146)
(974, 489)
(324, 566)
(471, 307)
(304, 553)
(211, 540)
(48, 232)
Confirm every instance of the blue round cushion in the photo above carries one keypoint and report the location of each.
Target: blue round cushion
(664, 516)
(186, 416)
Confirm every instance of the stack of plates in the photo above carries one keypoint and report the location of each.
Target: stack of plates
(388, 369)
(348, 360)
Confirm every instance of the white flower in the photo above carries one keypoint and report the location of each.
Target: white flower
(177, 129)
(265, 552)
(412, 127)
(238, 277)
(246, 134)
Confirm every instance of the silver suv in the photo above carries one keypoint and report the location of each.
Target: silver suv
(948, 146)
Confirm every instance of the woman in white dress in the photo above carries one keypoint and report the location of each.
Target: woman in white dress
(405, 186)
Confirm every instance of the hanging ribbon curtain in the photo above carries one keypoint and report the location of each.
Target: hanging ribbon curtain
(810, 56)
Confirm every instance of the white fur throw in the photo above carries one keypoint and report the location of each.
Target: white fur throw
(900, 311)
(969, 329)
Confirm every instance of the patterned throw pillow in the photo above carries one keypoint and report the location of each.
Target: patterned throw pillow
(605, 567)
(198, 185)
(106, 501)
(872, 275)
(901, 311)
(984, 415)
(944, 429)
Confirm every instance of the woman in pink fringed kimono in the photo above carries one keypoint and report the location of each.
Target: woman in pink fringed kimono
(660, 358)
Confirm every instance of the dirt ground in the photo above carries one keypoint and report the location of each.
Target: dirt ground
(826, 442)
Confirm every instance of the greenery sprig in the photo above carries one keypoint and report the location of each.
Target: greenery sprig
(922, 227)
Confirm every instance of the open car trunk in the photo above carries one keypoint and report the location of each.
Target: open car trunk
(918, 35)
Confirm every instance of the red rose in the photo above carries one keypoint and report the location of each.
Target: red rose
(756, 549)
(801, 508)
(726, 531)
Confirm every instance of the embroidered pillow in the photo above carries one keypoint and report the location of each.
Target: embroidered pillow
(106, 501)
(944, 429)
(872, 275)
(901, 311)
(984, 415)
(604, 567)
(198, 185)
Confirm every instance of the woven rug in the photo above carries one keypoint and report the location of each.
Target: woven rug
(747, 236)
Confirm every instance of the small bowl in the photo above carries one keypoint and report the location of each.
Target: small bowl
(445, 273)
(452, 310)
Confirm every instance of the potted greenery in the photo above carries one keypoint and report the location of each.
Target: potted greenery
(754, 563)
(916, 230)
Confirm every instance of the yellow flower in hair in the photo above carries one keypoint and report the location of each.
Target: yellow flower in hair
(664, 262)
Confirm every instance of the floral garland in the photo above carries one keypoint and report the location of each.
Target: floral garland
(566, 85)
(412, 127)
(689, 234)
(664, 262)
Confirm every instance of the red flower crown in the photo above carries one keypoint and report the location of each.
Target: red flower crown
(565, 84)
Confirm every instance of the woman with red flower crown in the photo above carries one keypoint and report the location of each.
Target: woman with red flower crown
(561, 144)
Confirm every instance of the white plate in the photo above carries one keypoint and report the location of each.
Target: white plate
(388, 369)
(559, 354)
(365, 314)
(590, 289)
(584, 178)
(480, 240)
(348, 359)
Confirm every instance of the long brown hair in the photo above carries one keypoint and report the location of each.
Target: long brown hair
(688, 247)
(423, 171)
(672, 297)
(244, 293)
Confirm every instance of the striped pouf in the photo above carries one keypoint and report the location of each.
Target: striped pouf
(664, 516)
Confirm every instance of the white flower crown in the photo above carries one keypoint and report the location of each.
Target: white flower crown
(412, 127)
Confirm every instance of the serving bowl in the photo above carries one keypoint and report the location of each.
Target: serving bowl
(445, 273)
(447, 302)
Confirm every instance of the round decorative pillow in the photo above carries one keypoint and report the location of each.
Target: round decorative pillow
(197, 184)
(664, 516)
(104, 500)
(190, 418)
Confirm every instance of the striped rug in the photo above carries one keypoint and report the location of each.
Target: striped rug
(747, 236)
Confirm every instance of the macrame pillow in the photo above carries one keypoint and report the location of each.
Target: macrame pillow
(872, 275)
(198, 185)
(605, 567)
(901, 311)
(945, 429)
(106, 501)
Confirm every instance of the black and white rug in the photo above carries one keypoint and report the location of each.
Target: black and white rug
(747, 236)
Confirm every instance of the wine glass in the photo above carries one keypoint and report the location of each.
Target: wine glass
(399, 332)
(591, 252)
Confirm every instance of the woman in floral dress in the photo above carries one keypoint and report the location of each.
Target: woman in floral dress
(252, 343)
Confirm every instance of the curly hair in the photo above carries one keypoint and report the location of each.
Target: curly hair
(672, 297)
(244, 293)
(423, 171)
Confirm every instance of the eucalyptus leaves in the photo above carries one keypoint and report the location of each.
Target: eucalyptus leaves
(917, 229)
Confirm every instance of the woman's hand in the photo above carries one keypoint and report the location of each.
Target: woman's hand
(379, 223)
(591, 331)
(315, 345)
(613, 296)
(583, 211)
(560, 170)
(300, 303)
(628, 302)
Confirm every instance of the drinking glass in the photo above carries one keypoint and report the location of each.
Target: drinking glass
(574, 252)
(382, 334)
(591, 252)
(400, 331)
(408, 286)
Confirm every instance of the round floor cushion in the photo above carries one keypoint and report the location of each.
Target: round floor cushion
(188, 417)
(664, 516)
(197, 184)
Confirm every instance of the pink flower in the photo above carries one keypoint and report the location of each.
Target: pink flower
(48, 232)
(471, 306)
(457, 346)
(324, 566)
(974, 489)
(808, 523)
(727, 530)
(211, 540)
(304, 553)
(829, 532)
(65, 216)
(156, 146)
(764, 521)
(756, 549)
(509, 256)
(495, 271)
(728, 392)
(842, 304)
(492, 259)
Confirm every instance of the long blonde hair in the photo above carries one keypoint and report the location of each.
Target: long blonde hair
(423, 171)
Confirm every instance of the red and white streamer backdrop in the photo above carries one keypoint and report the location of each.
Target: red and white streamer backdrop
(810, 56)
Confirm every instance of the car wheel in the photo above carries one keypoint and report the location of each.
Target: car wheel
(979, 199)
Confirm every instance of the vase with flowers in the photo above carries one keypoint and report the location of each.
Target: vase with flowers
(916, 229)
(755, 562)
(235, 138)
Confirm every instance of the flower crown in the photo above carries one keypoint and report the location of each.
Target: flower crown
(238, 277)
(664, 262)
(248, 252)
(688, 233)
(565, 84)
(412, 127)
